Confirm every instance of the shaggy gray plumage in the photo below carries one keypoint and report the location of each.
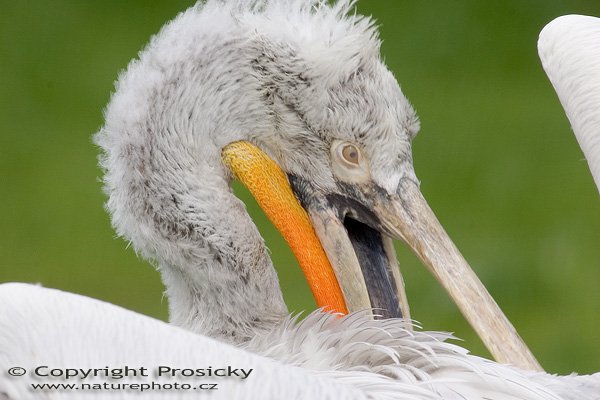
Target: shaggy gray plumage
(290, 76)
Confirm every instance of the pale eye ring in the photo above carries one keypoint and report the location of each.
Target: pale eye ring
(351, 154)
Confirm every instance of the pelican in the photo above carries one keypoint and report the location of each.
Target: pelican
(291, 98)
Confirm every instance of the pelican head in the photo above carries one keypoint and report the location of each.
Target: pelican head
(334, 119)
(302, 82)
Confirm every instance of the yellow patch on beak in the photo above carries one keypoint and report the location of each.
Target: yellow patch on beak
(271, 189)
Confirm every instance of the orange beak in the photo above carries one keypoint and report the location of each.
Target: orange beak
(271, 189)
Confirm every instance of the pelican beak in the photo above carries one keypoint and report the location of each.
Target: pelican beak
(361, 254)
(271, 189)
(355, 225)
(350, 262)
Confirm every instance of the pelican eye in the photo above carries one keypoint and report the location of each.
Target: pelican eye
(351, 154)
(349, 162)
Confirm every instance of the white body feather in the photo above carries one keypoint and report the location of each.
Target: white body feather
(323, 357)
(63, 330)
(569, 48)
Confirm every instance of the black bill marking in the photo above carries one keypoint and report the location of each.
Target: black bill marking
(375, 267)
(361, 226)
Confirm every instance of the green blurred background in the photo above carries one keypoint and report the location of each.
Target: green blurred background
(495, 155)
